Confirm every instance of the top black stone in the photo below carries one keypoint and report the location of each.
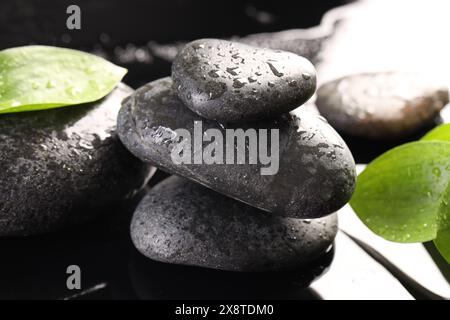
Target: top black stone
(232, 82)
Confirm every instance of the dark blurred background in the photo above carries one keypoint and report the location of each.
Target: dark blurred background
(142, 34)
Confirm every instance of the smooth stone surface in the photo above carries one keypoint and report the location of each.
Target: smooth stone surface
(181, 222)
(64, 166)
(383, 105)
(316, 170)
(232, 82)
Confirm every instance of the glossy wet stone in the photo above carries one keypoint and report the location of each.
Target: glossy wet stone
(181, 222)
(316, 170)
(231, 82)
(64, 166)
(385, 105)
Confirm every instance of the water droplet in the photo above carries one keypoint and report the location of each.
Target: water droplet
(234, 71)
(436, 171)
(51, 84)
(271, 84)
(292, 83)
(73, 91)
(91, 70)
(214, 73)
(239, 83)
(258, 73)
(251, 79)
(275, 70)
(86, 145)
(306, 76)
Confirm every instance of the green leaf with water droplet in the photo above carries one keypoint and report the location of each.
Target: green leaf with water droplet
(404, 194)
(42, 77)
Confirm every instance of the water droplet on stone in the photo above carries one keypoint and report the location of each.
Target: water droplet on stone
(306, 76)
(275, 70)
(214, 73)
(234, 71)
(239, 83)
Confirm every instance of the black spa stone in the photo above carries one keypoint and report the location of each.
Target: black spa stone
(316, 173)
(234, 82)
(181, 222)
(64, 166)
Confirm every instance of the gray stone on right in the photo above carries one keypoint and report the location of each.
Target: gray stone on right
(182, 222)
(384, 105)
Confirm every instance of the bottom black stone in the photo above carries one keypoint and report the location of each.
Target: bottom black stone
(184, 223)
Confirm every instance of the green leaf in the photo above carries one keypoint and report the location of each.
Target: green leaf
(403, 195)
(439, 133)
(442, 243)
(41, 77)
(442, 240)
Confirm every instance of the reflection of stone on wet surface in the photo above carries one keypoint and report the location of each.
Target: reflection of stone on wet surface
(35, 267)
(153, 280)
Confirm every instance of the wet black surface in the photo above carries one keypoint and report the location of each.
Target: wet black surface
(35, 267)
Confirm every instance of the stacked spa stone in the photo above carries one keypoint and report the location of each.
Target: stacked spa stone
(230, 216)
